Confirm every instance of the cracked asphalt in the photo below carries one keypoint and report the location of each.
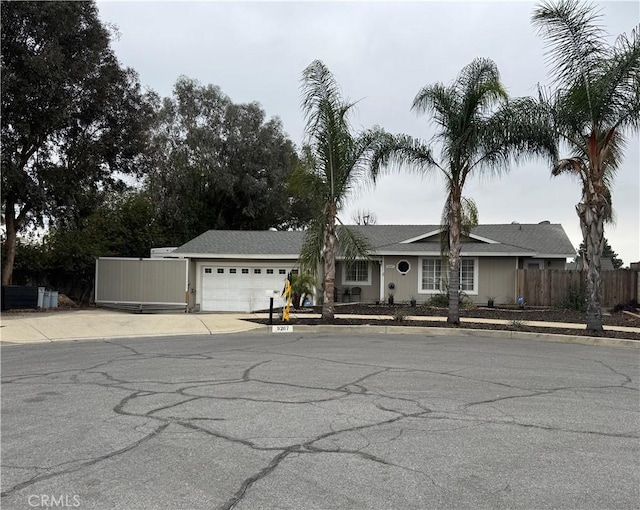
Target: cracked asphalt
(320, 421)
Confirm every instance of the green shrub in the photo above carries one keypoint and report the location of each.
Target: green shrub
(439, 300)
(576, 299)
(442, 300)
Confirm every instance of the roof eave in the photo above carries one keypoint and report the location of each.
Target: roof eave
(236, 256)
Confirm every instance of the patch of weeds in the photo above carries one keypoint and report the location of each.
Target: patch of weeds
(400, 315)
(516, 324)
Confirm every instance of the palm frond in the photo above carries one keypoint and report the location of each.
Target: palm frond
(469, 215)
(620, 83)
(520, 129)
(479, 85)
(396, 152)
(575, 166)
(320, 92)
(352, 244)
(439, 101)
(311, 254)
(327, 127)
(356, 156)
(575, 39)
(303, 283)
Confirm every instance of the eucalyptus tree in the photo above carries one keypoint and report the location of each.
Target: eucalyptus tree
(219, 165)
(336, 160)
(594, 106)
(73, 119)
(479, 132)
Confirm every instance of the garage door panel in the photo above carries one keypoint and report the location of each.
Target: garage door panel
(223, 290)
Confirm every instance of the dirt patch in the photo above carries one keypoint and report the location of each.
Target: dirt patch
(515, 318)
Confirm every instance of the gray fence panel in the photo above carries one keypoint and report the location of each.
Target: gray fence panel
(141, 283)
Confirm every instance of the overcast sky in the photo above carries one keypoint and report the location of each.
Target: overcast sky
(381, 53)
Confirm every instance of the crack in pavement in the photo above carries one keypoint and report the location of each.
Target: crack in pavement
(308, 447)
(83, 465)
(247, 483)
(628, 379)
(513, 422)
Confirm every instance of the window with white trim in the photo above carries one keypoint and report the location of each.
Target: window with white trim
(467, 275)
(433, 275)
(356, 272)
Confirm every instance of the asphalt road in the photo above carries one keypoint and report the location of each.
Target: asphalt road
(261, 421)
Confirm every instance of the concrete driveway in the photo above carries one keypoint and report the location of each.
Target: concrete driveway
(260, 421)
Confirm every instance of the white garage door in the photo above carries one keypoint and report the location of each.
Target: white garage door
(240, 288)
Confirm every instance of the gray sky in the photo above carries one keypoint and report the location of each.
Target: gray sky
(381, 53)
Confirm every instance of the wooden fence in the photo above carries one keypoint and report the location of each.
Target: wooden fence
(553, 287)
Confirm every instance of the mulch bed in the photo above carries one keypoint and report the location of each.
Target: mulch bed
(514, 315)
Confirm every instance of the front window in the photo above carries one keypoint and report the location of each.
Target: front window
(467, 273)
(434, 275)
(431, 274)
(356, 272)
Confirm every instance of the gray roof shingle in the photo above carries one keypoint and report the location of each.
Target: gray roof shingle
(543, 239)
(245, 242)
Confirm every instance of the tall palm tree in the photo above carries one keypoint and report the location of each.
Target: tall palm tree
(594, 105)
(337, 159)
(479, 131)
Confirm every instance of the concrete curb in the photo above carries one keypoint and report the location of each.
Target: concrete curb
(435, 331)
(107, 325)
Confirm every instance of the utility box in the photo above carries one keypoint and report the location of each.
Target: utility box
(16, 297)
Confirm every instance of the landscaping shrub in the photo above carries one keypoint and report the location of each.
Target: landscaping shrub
(400, 315)
(575, 300)
(630, 306)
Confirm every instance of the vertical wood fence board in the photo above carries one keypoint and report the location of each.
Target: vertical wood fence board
(552, 287)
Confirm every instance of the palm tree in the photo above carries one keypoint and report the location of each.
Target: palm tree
(595, 104)
(479, 132)
(302, 286)
(337, 159)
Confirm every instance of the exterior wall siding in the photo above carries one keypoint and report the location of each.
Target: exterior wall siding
(497, 280)
(369, 290)
(406, 285)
